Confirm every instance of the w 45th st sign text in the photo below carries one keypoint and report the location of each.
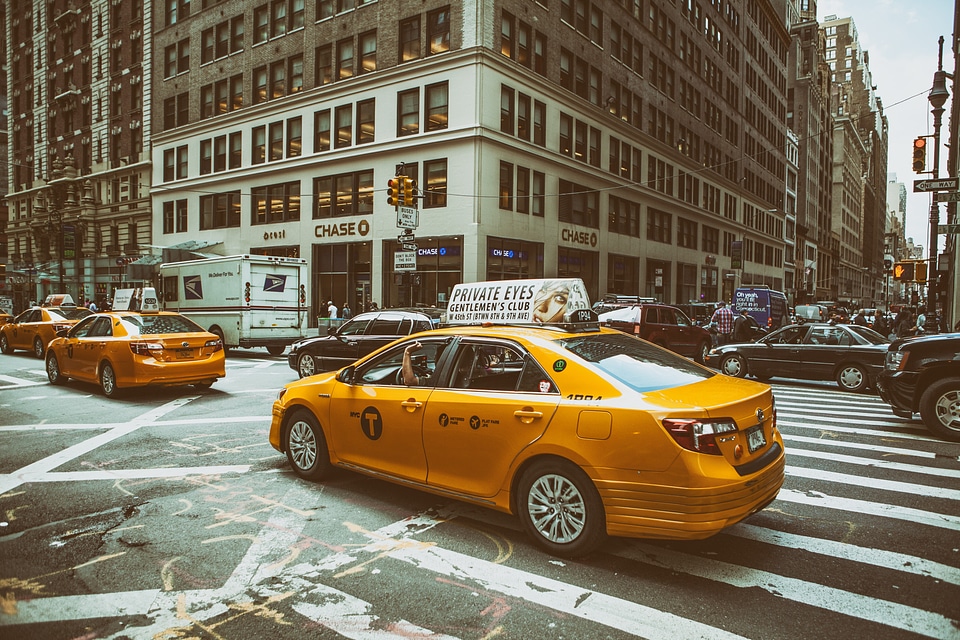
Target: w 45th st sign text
(943, 184)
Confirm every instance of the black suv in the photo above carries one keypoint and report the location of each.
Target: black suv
(358, 336)
(922, 374)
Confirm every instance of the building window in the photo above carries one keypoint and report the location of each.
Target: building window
(366, 112)
(435, 187)
(408, 112)
(523, 190)
(438, 30)
(321, 131)
(294, 137)
(579, 205)
(236, 149)
(275, 203)
(220, 211)
(345, 59)
(176, 111)
(506, 110)
(686, 233)
(345, 194)
(368, 51)
(437, 105)
(659, 225)
(177, 58)
(539, 200)
(410, 39)
(259, 145)
(323, 65)
(206, 157)
(506, 186)
(175, 10)
(344, 117)
(275, 131)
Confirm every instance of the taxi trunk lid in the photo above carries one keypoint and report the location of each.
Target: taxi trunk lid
(175, 347)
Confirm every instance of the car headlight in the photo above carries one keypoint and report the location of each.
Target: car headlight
(895, 360)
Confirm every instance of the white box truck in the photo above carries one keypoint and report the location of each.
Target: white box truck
(247, 300)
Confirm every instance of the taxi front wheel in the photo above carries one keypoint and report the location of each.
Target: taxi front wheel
(306, 446)
(108, 380)
(560, 509)
(53, 370)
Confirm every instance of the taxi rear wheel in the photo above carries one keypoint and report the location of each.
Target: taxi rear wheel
(108, 380)
(275, 350)
(38, 348)
(53, 370)
(852, 377)
(734, 365)
(5, 344)
(306, 446)
(306, 366)
(940, 408)
(560, 509)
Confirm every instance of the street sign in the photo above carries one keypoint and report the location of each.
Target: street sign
(405, 261)
(406, 237)
(409, 246)
(943, 184)
(407, 217)
(947, 196)
(948, 228)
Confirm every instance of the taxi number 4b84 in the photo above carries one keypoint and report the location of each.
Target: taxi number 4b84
(755, 438)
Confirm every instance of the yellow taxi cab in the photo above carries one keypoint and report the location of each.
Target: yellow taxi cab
(523, 403)
(124, 349)
(5, 316)
(34, 328)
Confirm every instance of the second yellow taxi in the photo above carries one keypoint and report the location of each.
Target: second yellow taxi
(578, 430)
(123, 349)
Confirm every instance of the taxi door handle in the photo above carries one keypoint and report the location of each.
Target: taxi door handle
(528, 415)
(411, 405)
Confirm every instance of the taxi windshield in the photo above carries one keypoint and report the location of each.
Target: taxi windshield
(68, 313)
(156, 325)
(637, 364)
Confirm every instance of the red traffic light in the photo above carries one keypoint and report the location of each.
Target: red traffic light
(919, 154)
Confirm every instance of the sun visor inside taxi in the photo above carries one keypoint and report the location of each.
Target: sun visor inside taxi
(539, 301)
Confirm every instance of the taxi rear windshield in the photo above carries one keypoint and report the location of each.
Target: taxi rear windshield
(638, 364)
(68, 313)
(156, 325)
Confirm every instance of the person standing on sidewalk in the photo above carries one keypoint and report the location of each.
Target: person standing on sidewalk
(723, 317)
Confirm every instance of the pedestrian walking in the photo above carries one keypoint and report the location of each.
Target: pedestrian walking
(723, 317)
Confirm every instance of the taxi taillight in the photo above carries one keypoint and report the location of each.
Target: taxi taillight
(698, 435)
(217, 345)
(144, 348)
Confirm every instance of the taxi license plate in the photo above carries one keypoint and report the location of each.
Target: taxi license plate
(184, 354)
(755, 438)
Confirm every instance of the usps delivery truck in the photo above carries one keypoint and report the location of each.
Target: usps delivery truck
(247, 300)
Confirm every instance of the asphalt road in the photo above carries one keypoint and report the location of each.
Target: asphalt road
(166, 514)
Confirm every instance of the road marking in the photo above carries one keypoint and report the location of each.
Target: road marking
(909, 488)
(115, 425)
(878, 464)
(863, 555)
(12, 480)
(19, 382)
(131, 474)
(863, 507)
(846, 444)
(855, 605)
(876, 433)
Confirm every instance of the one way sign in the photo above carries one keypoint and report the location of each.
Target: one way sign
(943, 184)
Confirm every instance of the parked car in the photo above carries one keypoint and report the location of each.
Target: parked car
(33, 329)
(850, 354)
(814, 312)
(663, 325)
(699, 312)
(123, 349)
(578, 430)
(362, 334)
(922, 375)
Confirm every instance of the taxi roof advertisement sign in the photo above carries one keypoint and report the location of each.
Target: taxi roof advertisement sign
(517, 301)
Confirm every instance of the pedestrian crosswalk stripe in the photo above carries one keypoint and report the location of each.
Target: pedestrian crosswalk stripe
(864, 507)
(845, 444)
(873, 462)
(909, 488)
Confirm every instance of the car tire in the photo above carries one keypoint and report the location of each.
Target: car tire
(217, 331)
(275, 350)
(560, 509)
(38, 349)
(306, 365)
(108, 380)
(306, 446)
(940, 408)
(203, 386)
(702, 352)
(54, 374)
(734, 366)
(5, 345)
(852, 377)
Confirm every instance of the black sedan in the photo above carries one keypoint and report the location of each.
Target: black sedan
(356, 337)
(850, 354)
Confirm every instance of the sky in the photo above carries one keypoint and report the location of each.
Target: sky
(901, 38)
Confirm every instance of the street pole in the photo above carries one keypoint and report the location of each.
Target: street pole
(937, 97)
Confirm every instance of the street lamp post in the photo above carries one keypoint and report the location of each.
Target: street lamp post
(937, 97)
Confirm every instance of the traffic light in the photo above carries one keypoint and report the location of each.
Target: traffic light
(920, 155)
(920, 272)
(903, 271)
(409, 192)
(394, 188)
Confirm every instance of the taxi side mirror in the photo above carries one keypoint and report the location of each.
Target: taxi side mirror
(346, 374)
(62, 333)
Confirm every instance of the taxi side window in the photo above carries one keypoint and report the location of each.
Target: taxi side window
(498, 367)
(82, 328)
(101, 327)
(384, 327)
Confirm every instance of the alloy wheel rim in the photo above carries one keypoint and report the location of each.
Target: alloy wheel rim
(307, 367)
(948, 410)
(303, 445)
(53, 371)
(851, 377)
(108, 379)
(557, 508)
